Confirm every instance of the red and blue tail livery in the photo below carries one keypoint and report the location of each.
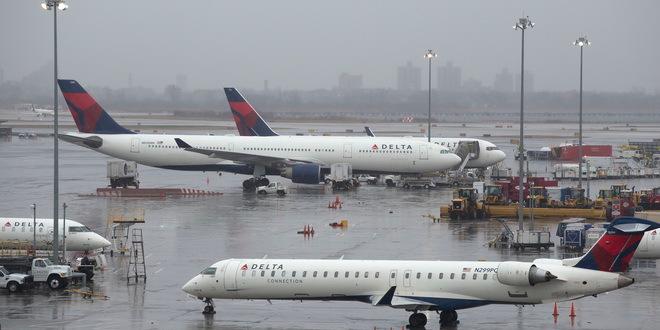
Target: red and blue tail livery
(615, 249)
(87, 113)
(248, 121)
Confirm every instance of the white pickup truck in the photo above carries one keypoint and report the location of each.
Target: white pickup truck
(272, 188)
(13, 282)
(41, 269)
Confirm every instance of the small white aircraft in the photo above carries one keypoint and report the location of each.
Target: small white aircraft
(303, 159)
(78, 236)
(649, 247)
(476, 153)
(444, 286)
(43, 112)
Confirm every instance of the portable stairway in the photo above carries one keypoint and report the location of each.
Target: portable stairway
(467, 150)
(136, 266)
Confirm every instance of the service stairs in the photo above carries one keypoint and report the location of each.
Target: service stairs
(136, 266)
(467, 150)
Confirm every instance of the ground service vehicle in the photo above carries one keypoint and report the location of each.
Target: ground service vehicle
(41, 269)
(13, 282)
(272, 188)
(466, 205)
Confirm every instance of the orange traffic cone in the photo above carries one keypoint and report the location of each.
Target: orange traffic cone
(572, 314)
(555, 312)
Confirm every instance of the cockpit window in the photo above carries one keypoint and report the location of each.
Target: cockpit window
(79, 229)
(208, 271)
(492, 148)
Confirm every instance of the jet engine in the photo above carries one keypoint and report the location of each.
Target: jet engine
(522, 274)
(303, 173)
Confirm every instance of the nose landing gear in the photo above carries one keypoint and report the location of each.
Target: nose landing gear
(209, 309)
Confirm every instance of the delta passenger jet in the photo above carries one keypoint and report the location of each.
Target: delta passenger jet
(303, 159)
(476, 153)
(443, 286)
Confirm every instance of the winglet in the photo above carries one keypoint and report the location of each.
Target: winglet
(386, 299)
(182, 144)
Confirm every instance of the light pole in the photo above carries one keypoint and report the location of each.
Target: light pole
(55, 5)
(34, 228)
(64, 230)
(522, 25)
(581, 42)
(430, 55)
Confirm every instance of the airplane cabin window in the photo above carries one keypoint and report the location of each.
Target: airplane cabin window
(272, 274)
(393, 275)
(376, 275)
(463, 276)
(293, 273)
(254, 273)
(304, 273)
(263, 273)
(325, 274)
(474, 277)
(451, 276)
(485, 276)
(283, 273)
(429, 276)
(207, 271)
(346, 274)
(419, 275)
(366, 274)
(314, 273)
(357, 274)
(336, 274)
(441, 275)
(407, 275)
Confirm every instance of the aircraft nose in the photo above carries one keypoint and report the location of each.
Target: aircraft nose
(191, 287)
(624, 281)
(499, 155)
(453, 160)
(103, 242)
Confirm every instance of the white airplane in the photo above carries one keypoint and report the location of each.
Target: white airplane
(43, 112)
(415, 286)
(249, 123)
(78, 236)
(303, 159)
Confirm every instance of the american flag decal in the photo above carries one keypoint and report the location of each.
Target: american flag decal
(466, 270)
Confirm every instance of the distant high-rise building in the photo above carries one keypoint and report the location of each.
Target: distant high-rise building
(349, 81)
(503, 82)
(182, 81)
(529, 82)
(449, 78)
(409, 78)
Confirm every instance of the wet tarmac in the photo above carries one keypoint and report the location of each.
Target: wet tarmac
(184, 235)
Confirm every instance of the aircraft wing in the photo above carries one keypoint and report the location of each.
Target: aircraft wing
(246, 158)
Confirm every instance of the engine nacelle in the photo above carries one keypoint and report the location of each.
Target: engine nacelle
(303, 173)
(522, 274)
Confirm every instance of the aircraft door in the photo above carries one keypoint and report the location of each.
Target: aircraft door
(423, 152)
(348, 150)
(230, 275)
(406, 277)
(230, 147)
(135, 145)
(393, 277)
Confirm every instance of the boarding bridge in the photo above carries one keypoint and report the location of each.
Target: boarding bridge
(467, 150)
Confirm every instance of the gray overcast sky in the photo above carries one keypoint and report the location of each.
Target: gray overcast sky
(306, 44)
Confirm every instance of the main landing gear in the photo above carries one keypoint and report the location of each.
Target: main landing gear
(417, 320)
(448, 318)
(209, 309)
(252, 183)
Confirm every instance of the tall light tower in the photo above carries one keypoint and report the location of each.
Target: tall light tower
(522, 25)
(430, 55)
(55, 5)
(581, 42)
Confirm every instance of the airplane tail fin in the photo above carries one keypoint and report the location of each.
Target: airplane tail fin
(614, 250)
(248, 121)
(87, 113)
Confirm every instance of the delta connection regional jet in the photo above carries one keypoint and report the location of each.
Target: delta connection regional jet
(303, 159)
(443, 286)
(477, 153)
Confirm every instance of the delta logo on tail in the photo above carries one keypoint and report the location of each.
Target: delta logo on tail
(87, 113)
(248, 121)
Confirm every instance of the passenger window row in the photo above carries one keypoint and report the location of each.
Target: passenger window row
(441, 276)
(288, 149)
(387, 151)
(313, 275)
